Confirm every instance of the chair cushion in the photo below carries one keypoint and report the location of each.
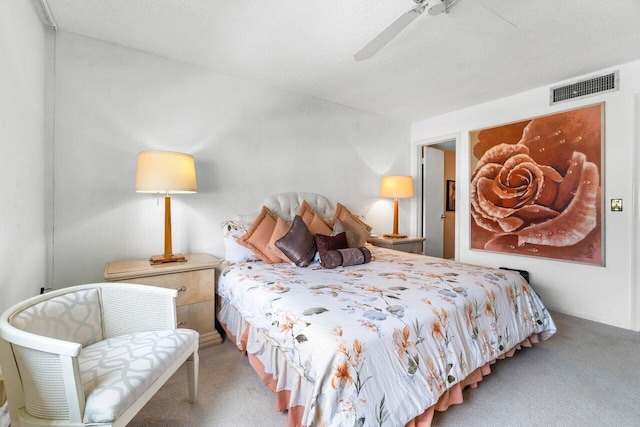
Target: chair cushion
(117, 371)
(74, 316)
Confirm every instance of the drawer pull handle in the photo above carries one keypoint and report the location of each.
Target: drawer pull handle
(182, 323)
(182, 289)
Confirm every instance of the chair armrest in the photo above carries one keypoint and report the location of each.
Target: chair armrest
(129, 308)
(50, 365)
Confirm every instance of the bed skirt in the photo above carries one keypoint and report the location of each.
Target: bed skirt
(291, 389)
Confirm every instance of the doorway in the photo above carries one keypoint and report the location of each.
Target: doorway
(436, 197)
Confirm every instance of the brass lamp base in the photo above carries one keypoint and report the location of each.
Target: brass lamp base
(161, 259)
(395, 236)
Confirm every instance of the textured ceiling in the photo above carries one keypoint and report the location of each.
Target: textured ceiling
(436, 65)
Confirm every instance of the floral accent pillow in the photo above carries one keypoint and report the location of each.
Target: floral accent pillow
(233, 251)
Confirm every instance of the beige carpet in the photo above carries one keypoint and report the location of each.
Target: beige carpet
(588, 374)
(230, 394)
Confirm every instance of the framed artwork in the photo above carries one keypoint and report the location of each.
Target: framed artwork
(451, 195)
(536, 186)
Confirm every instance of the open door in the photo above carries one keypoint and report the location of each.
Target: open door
(431, 200)
(436, 220)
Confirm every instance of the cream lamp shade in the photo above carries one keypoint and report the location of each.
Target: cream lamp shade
(166, 172)
(396, 187)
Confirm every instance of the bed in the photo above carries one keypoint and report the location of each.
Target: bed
(383, 343)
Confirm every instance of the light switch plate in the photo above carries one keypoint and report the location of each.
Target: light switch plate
(616, 205)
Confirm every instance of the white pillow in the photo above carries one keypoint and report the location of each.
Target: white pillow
(233, 251)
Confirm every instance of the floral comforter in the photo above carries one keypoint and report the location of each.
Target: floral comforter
(381, 342)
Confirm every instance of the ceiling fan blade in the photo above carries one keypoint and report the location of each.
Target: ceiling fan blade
(379, 41)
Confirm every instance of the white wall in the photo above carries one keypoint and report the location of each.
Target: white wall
(605, 294)
(249, 141)
(23, 151)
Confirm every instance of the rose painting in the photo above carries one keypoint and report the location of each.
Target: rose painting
(536, 187)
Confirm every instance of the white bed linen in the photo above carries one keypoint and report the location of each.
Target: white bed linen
(379, 343)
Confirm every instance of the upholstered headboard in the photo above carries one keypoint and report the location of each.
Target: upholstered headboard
(287, 206)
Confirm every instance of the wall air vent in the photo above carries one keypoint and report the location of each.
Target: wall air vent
(582, 89)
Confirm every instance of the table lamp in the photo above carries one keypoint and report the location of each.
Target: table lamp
(166, 172)
(396, 187)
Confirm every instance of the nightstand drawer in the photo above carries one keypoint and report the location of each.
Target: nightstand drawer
(409, 244)
(411, 247)
(193, 286)
(199, 317)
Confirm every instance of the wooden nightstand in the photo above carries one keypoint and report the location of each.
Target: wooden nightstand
(406, 244)
(195, 281)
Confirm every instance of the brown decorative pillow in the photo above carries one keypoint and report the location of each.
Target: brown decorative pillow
(282, 227)
(330, 243)
(355, 256)
(360, 231)
(258, 236)
(312, 220)
(346, 257)
(298, 244)
(332, 259)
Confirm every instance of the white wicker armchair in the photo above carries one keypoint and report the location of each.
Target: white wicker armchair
(92, 354)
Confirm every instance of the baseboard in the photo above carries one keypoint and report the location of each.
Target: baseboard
(209, 339)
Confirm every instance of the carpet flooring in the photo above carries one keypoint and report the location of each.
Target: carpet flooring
(588, 374)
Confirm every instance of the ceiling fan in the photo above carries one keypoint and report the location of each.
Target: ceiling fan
(474, 14)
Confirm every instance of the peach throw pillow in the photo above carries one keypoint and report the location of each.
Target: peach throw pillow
(282, 228)
(258, 236)
(357, 230)
(312, 220)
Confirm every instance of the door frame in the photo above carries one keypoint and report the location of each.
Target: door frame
(415, 166)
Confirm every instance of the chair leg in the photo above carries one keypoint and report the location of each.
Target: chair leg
(193, 365)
